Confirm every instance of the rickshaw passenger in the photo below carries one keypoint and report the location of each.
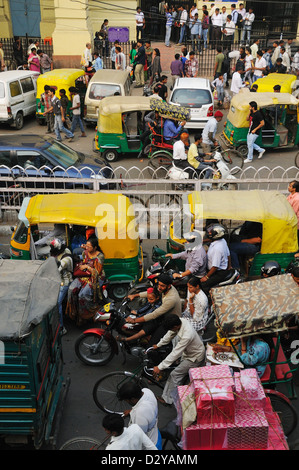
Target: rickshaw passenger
(171, 131)
(197, 305)
(84, 292)
(248, 243)
(253, 352)
(43, 244)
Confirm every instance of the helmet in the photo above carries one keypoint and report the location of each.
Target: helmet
(57, 245)
(193, 240)
(216, 231)
(270, 268)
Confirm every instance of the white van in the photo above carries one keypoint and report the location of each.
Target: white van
(104, 83)
(17, 96)
(196, 94)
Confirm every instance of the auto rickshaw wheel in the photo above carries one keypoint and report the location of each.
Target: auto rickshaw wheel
(243, 150)
(110, 155)
(118, 291)
(297, 160)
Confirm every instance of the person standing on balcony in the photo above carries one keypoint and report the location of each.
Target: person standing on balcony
(168, 26)
(217, 25)
(183, 23)
(247, 25)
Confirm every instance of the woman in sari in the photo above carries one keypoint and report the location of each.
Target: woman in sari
(156, 67)
(84, 292)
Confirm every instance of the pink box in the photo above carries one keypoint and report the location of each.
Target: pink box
(251, 427)
(214, 395)
(248, 386)
(276, 437)
(215, 402)
(205, 437)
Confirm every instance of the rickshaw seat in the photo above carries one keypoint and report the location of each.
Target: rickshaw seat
(282, 368)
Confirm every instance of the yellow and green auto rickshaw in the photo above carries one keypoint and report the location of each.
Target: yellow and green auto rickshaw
(110, 215)
(266, 84)
(120, 124)
(60, 79)
(232, 209)
(281, 115)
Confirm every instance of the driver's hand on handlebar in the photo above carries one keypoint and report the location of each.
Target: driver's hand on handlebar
(131, 297)
(168, 255)
(156, 370)
(126, 413)
(175, 275)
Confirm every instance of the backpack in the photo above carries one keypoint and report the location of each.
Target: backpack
(225, 65)
(239, 18)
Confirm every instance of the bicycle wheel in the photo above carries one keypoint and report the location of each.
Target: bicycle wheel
(234, 159)
(161, 161)
(285, 410)
(105, 391)
(93, 349)
(82, 443)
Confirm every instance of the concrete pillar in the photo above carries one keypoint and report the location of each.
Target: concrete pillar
(72, 32)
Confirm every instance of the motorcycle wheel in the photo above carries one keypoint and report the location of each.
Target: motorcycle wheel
(84, 349)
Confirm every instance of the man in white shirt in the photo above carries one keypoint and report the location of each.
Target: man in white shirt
(140, 23)
(254, 48)
(242, 11)
(130, 438)
(209, 132)
(183, 23)
(260, 66)
(120, 60)
(88, 55)
(144, 410)
(224, 15)
(189, 349)
(247, 25)
(180, 153)
(237, 82)
(76, 108)
(285, 58)
(228, 32)
(217, 25)
(218, 258)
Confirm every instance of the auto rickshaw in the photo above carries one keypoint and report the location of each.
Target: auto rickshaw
(120, 123)
(60, 79)
(281, 115)
(267, 307)
(112, 217)
(32, 386)
(232, 208)
(266, 84)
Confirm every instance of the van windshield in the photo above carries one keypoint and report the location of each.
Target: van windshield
(191, 98)
(2, 91)
(99, 91)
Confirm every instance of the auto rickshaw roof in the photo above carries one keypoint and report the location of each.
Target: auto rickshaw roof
(267, 83)
(242, 99)
(112, 215)
(22, 295)
(255, 307)
(123, 104)
(270, 208)
(60, 78)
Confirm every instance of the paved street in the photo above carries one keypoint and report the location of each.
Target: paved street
(81, 416)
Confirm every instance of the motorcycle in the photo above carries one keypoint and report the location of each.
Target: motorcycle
(220, 171)
(97, 346)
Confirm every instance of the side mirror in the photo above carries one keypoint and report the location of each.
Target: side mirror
(12, 228)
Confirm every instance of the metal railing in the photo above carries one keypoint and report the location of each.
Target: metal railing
(141, 185)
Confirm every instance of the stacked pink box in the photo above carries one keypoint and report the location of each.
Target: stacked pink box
(240, 418)
(214, 394)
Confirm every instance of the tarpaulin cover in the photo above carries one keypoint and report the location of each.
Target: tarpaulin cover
(172, 111)
(255, 307)
(28, 292)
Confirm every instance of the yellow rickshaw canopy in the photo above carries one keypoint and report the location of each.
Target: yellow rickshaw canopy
(267, 83)
(112, 107)
(111, 214)
(270, 208)
(60, 78)
(239, 108)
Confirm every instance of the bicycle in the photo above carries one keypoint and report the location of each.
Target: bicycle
(283, 407)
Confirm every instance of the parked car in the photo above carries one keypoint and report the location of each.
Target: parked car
(34, 155)
(17, 96)
(196, 94)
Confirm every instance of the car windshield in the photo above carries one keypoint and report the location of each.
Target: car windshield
(62, 155)
(2, 91)
(191, 98)
(99, 91)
